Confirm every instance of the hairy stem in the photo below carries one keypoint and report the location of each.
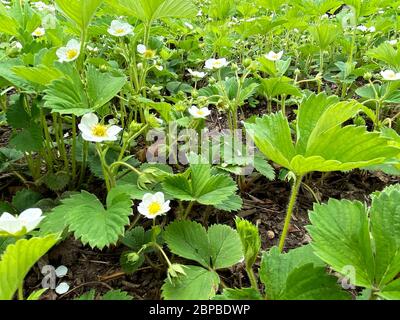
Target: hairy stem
(289, 212)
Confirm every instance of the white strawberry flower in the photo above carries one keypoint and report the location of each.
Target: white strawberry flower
(153, 205)
(393, 42)
(39, 32)
(27, 221)
(147, 53)
(372, 29)
(70, 52)
(199, 113)
(390, 75)
(215, 64)
(94, 131)
(272, 56)
(120, 29)
(197, 74)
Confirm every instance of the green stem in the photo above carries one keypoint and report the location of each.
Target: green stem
(73, 149)
(104, 166)
(85, 146)
(289, 212)
(188, 210)
(252, 277)
(117, 164)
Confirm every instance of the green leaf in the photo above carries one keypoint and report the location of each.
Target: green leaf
(8, 25)
(198, 284)
(391, 291)
(188, 239)
(343, 240)
(323, 144)
(385, 229)
(218, 248)
(5, 241)
(136, 238)
(272, 136)
(17, 116)
(324, 34)
(117, 295)
(233, 203)
(250, 239)
(28, 140)
(311, 110)
(150, 10)
(263, 167)
(386, 53)
(80, 12)
(225, 246)
(56, 181)
(8, 156)
(92, 223)
(67, 95)
(274, 87)
(25, 199)
(239, 294)
(18, 259)
(90, 295)
(312, 283)
(35, 295)
(202, 186)
(41, 75)
(102, 87)
(276, 268)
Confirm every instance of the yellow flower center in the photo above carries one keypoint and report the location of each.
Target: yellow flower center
(120, 31)
(72, 53)
(154, 208)
(200, 113)
(99, 130)
(148, 54)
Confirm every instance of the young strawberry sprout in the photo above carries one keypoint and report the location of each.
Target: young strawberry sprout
(225, 150)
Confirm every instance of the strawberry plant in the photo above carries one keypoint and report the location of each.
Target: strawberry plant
(148, 149)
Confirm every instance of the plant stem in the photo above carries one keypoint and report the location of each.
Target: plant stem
(252, 277)
(292, 202)
(188, 209)
(85, 146)
(73, 149)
